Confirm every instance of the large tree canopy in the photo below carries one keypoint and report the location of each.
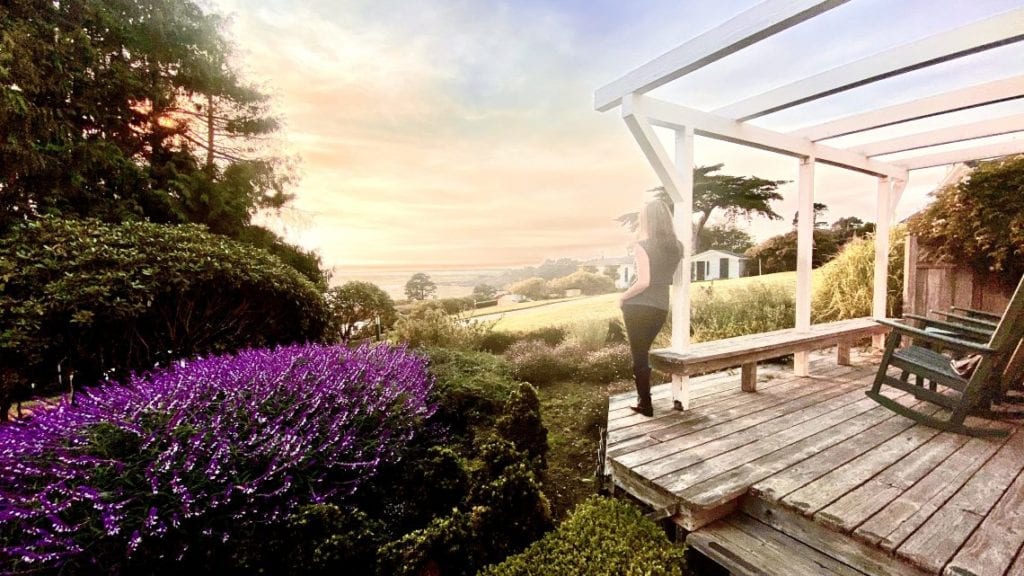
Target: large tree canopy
(127, 109)
(736, 196)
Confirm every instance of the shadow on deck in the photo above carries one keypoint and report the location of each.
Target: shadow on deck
(816, 460)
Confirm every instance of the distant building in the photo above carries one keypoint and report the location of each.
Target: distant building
(717, 265)
(625, 269)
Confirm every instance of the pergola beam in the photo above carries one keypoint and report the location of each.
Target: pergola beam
(961, 133)
(752, 26)
(989, 33)
(953, 101)
(964, 155)
(669, 115)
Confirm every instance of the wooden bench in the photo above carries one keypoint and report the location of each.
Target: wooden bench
(747, 351)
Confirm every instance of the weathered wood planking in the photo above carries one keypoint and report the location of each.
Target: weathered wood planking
(823, 462)
(746, 547)
(938, 539)
(736, 482)
(904, 515)
(860, 504)
(996, 542)
(792, 410)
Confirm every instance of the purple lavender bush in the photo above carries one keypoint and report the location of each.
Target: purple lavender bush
(176, 463)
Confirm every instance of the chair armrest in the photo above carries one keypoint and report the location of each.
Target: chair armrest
(966, 331)
(981, 314)
(968, 319)
(949, 341)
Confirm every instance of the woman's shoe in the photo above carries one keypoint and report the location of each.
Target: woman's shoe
(645, 410)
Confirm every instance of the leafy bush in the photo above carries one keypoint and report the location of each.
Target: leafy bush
(355, 308)
(589, 334)
(550, 335)
(846, 286)
(759, 308)
(434, 327)
(589, 283)
(102, 299)
(979, 221)
(470, 390)
(778, 253)
(497, 342)
(535, 362)
(533, 288)
(603, 537)
(608, 364)
(176, 468)
(521, 424)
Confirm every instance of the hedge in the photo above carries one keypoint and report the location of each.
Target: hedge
(603, 537)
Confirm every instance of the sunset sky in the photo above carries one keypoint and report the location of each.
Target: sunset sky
(455, 134)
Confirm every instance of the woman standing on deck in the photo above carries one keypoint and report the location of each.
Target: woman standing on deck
(645, 304)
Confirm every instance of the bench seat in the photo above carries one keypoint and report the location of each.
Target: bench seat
(747, 351)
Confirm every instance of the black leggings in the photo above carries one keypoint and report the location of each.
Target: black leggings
(642, 325)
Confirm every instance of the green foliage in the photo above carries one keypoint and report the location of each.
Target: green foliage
(761, 307)
(535, 362)
(104, 299)
(535, 288)
(432, 326)
(107, 109)
(470, 390)
(484, 292)
(979, 221)
(550, 335)
(725, 237)
(605, 365)
(319, 538)
(355, 303)
(306, 262)
(778, 253)
(497, 342)
(603, 537)
(589, 283)
(846, 286)
(420, 287)
(589, 335)
(521, 424)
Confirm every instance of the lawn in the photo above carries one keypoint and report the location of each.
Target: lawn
(606, 306)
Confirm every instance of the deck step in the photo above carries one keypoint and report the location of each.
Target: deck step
(747, 547)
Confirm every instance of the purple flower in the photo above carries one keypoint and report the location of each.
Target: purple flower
(244, 438)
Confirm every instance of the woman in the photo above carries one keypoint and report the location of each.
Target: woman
(645, 304)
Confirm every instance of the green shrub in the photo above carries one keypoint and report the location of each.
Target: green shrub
(535, 288)
(497, 342)
(505, 511)
(846, 287)
(759, 308)
(611, 363)
(550, 335)
(589, 283)
(603, 537)
(470, 390)
(589, 334)
(535, 362)
(103, 299)
(432, 326)
(521, 424)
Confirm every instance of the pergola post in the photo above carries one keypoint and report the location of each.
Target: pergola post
(881, 282)
(683, 220)
(804, 253)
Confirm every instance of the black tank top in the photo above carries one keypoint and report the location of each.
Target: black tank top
(664, 259)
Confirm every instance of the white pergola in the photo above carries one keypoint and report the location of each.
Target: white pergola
(735, 123)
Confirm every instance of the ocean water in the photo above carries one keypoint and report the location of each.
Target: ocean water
(450, 283)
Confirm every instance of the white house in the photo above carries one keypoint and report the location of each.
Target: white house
(625, 268)
(717, 265)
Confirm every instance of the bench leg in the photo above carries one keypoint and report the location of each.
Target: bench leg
(878, 341)
(680, 392)
(748, 377)
(843, 353)
(802, 363)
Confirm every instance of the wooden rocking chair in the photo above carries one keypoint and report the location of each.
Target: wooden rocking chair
(961, 395)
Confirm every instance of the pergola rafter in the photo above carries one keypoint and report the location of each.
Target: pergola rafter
(731, 123)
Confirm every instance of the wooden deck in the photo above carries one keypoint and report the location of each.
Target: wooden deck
(816, 459)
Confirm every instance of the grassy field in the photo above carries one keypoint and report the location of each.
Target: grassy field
(606, 306)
